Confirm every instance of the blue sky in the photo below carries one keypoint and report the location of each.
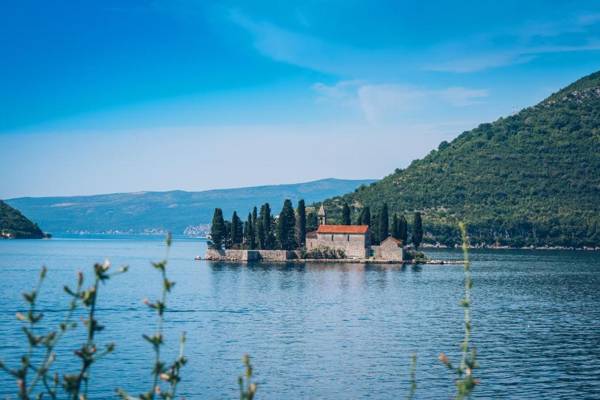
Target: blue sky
(119, 96)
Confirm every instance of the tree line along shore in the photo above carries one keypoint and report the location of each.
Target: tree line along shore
(262, 230)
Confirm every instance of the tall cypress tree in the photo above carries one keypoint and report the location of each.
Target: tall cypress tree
(417, 232)
(236, 230)
(374, 227)
(395, 227)
(384, 222)
(301, 224)
(246, 225)
(366, 216)
(267, 223)
(217, 229)
(286, 227)
(254, 242)
(260, 230)
(227, 236)
(403, 230)
(359, 218)
(346, 215)
(249, 233)
(312, 222)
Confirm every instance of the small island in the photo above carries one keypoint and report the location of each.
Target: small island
(295, 235)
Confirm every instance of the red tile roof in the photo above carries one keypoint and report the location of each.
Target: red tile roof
(349, 229)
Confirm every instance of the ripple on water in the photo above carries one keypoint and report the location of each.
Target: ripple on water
(327, 331)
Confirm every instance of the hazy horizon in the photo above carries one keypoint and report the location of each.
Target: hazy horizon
(199, 191)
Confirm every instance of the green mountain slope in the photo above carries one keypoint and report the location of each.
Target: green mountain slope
(529, 179)
(174, 210)
(13, 224)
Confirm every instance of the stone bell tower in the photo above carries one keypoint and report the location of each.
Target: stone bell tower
(322, 216)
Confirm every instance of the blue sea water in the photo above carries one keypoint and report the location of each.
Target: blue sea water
(322, 331)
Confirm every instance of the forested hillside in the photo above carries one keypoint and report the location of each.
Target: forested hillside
(13, 224)
(528, 179)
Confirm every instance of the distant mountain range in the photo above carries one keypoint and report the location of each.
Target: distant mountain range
(15, 225)
(175, 211)
(530, 179)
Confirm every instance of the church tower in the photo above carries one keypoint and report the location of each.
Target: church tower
(322, 216)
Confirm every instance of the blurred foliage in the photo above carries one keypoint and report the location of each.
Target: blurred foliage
(247, 387)
(465, 379)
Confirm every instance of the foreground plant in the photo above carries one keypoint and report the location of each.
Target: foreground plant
(165, 378)
(74, 385)
(247, 387)
(88, 353)
(465, 380)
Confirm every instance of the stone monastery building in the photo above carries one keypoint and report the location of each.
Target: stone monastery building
(353, 240)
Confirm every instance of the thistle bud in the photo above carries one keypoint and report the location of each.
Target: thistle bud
(443, 359)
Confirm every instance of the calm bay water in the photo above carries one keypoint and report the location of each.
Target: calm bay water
(325, 331)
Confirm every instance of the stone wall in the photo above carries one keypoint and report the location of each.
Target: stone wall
(274, 255)
(248, 255)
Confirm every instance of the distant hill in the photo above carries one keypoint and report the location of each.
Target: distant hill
(174, 210)
(528, 179)
(13, 224)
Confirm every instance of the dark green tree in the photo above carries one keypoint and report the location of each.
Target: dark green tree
(286, 227)
(359, 218)
(403, 230)
(366, 216)
(237, 230)
(396, 227)
(217, 230)
(249, 233)
(312, 222)
(260, 234)
(346, 215)
(227, 238)
(254, 242)
(374, 228)
(383, 223)
(417, 231)
(266, 220)
(301, 224)
(245, 235)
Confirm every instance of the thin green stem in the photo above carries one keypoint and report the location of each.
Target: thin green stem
(46, 363)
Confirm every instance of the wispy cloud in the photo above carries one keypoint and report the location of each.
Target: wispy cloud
(512, 46)
(312, 52)
(589, 19)
(479, 62)
(292, 47)
(517, 46)
(377, 102)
